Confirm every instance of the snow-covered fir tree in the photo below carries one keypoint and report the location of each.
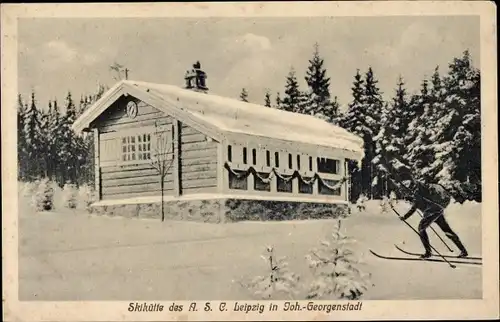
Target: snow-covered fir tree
(33, 138)
(101, 89)
(458, 141)
(333, 115)
(21, 144)
(82, 106)
(374, 108)
(278, 101)
(67, 151)
(319, 103)
(294, 99)
(393, 128)
(353, 121)
(45, 135)
(267, 99)
(244, 95)
(54, 135)
(419, 152)
(363, 117)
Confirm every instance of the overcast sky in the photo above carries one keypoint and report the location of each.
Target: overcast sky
(57, 55)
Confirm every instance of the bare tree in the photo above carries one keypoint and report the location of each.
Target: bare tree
(162, 158)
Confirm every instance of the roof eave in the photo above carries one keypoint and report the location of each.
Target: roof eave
(82, 124)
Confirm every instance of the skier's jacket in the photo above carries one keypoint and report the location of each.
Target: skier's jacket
(430, 199)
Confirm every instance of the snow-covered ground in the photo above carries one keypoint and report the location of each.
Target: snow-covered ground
(75, 256)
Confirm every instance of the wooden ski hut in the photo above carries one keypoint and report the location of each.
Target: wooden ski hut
(214, 149)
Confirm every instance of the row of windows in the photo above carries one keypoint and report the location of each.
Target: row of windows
(281, 185)
(324, 165)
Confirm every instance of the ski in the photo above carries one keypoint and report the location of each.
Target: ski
(445, 256)
(423, 259)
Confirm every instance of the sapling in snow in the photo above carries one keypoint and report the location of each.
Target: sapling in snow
(279, 280)
(43, 198)
(384, 204)
(336, 269)
(360, 203)
(27, 189)
(69, 195)
(393, 200)
(86, 196)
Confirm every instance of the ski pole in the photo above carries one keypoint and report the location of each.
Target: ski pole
(439, 236)
(432, 247)
(421, 215)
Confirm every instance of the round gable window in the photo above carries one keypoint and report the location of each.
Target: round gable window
(132, 109)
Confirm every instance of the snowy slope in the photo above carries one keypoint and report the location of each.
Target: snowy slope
(71, 256)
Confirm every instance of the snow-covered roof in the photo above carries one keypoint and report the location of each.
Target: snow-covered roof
(233, 116)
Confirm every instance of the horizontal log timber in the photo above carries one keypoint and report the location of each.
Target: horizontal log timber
(198, 161)
(187, 191)
(136, 188)
(137, 124)
(126, 195)
(128, 167)
(120, 179)
(199, 168)
(199, 183)
(135, 180)
(199, 146)
(199, 154)
(199, 175)
(129, 174)
(193, 138)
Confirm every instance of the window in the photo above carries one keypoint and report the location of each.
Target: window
(144, 142)
(305, 187)
(136, 147)
(229, 153)
(259, 184)
(254, 156)
(290, 165)
(310, 163)
(238, 180)
(283, 186)
(326, 165)
(298, 162)
(268, 158)
(244, 155)
(276, 159)
(324, 187)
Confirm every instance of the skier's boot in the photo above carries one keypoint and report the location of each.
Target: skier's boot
(427, 254)
(463, 254)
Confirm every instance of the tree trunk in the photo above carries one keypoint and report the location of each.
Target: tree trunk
(162, 184)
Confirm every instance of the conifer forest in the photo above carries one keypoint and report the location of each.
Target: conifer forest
(435, 130)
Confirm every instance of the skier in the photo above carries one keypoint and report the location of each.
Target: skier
(431, 199)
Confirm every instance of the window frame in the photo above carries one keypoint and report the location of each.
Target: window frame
(124, 135)
(320, 165)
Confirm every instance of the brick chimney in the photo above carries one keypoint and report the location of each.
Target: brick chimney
(196, 79)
